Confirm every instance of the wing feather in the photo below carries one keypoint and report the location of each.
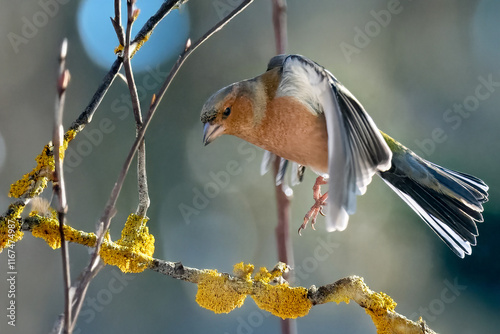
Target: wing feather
(356, 149)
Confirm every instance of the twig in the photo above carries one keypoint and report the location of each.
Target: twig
(86, 116)
(58, 179)
(117, 22)
(104, 222)
(131, 14)
(141, 154)
(153, 21)
(110, 207)
(283, 240)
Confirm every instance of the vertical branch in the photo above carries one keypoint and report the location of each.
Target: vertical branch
(81, 285)
(280, 28)
(117, 22)
(283, 240)
(141, 151)
(58, 179)
(94, 266)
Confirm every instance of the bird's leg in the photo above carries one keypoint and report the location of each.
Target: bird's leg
(317, 207)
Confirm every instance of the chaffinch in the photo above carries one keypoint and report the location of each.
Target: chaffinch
(299, 111)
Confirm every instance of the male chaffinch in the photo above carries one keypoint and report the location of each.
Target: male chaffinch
(299, 111)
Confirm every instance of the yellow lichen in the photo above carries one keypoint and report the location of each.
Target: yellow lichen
(263, 275)
(243, 271)
(136, 46)
(217, 293)
(378, 307)
(33, 183)
(381, 303)
(118, 49)
(222, 294)
(141, 43)
(283, 301)
(133, 251)
(10, 226)
(47, 229)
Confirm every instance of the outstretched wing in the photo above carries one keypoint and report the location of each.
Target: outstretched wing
(356, 149)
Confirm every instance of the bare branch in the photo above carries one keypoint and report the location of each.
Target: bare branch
(280, 25)
(153, 21)
(94, 265)
(90, 271)
(58, 179)
(117, 22)
(144, 201)
(110, 207)
(283, 239)
(86, 116)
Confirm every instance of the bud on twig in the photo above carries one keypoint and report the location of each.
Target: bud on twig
(64, 49)
(63, 81)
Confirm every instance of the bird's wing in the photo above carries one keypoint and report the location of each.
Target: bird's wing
(356, 148)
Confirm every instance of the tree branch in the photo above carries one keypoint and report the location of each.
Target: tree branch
(147, 29)
(144, 201)
(58, 179)
(222, 292)
(283, 239)
(109, 210)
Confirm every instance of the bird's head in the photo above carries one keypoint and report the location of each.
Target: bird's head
(233, 110)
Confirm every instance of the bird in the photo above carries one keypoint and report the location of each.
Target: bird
(299, 111)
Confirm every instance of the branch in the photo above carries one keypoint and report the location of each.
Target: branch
(86, 116)
(141, 156)
(280, 25)
(58, 179)
(117, 22)
(110, 207)
(223, 292)
(109, 210)
(283, 239)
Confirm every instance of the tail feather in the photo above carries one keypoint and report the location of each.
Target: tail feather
(450, 238)
(474, 185)
(450, 202)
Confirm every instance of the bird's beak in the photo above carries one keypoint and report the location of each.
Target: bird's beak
(211, 131)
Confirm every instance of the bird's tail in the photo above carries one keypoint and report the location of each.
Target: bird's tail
(450, 202)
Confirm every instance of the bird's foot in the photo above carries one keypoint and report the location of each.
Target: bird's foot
(317, 208)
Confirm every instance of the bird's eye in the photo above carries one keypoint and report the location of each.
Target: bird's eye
(226, 112)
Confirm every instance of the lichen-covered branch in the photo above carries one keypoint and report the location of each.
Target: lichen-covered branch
(33, 183)
(223, 292)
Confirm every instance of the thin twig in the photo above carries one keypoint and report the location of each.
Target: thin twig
(86, 116)
(153, 21)
(142, 179)
(117, 22)
(283, 239)
(58, 179)
(110, 207)
(136, 106)
(90, 271)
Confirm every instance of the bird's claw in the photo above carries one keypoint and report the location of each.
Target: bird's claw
(312, 214)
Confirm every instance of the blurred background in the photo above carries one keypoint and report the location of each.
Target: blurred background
(427, 72)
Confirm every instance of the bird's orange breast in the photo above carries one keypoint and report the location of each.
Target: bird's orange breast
(293, 132)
